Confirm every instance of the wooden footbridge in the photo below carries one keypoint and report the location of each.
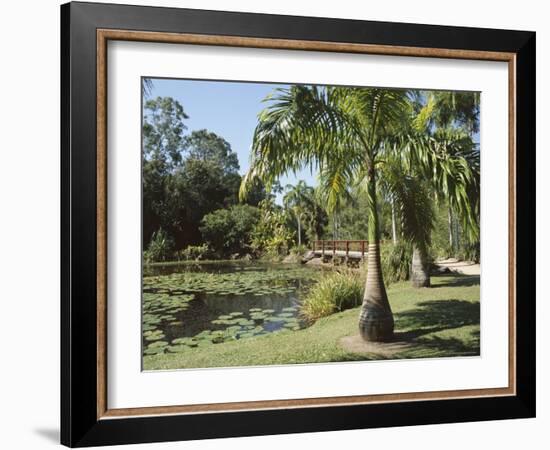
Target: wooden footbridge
(345, 250)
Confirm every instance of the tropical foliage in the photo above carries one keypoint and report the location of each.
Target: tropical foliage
(271, 235)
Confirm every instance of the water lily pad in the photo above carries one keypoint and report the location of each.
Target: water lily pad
(246, 335)
(154, 351)
(204, 333)
(177, 348)
(258, 316)
(158, 344)
(245, 322)
(155, 337)
(275, 319)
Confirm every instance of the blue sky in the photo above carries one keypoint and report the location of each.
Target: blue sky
(229, 109)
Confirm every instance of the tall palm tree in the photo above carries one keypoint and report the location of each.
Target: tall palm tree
(297, 199)
(316, 217)
(458, 183)
(411, 202)
(453, 119)
(338, 131)
(333, 196)
(417, 165)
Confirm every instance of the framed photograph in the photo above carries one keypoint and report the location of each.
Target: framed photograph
(277, 224)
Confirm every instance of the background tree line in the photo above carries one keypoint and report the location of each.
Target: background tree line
(187, 176)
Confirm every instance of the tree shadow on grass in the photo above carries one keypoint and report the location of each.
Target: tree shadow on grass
(414, 332)
(457, 281)
(451, 346)
(433, 316)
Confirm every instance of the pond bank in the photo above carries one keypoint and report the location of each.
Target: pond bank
(437, 322)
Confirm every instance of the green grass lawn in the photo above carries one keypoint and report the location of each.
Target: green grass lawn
(435, 322)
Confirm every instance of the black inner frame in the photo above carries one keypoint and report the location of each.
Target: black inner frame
(79, 424)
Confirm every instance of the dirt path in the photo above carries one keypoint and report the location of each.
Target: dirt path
(463, 267)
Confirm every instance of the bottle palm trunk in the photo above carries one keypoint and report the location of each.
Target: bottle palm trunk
(420, 271)
(376, 318)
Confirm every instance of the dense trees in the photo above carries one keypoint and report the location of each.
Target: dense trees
(229, 231)
(185, 176)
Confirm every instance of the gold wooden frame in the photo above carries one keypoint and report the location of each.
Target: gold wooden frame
(103, 36)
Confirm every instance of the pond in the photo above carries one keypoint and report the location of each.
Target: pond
(199, 304)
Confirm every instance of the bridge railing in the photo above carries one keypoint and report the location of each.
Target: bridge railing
(332, 246)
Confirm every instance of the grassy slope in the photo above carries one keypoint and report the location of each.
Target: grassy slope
(440, 321)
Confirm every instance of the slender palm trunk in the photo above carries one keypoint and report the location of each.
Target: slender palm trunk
(393, 223)
(375, 319)
(450, 218)
(420, 271)
(299, 230)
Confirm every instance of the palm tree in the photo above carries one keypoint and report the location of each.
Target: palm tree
(297, 199)
(146, 87)
(458, 183)
(453, 118)
(417, 165)
(316, 218)
(448, 109)
(338, 131)
(411, 204)
(333, 196)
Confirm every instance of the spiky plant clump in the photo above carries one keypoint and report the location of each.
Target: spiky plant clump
(396, 262)
(335, 292)
(160, 248)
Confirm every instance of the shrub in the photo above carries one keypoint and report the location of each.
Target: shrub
(296, 254)
(469, 252)
(271, 237)
(299, 250)
(160, 247)
(228, 231)
(193, 253)
(396, 262)
(442, 251)
(335, 292)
